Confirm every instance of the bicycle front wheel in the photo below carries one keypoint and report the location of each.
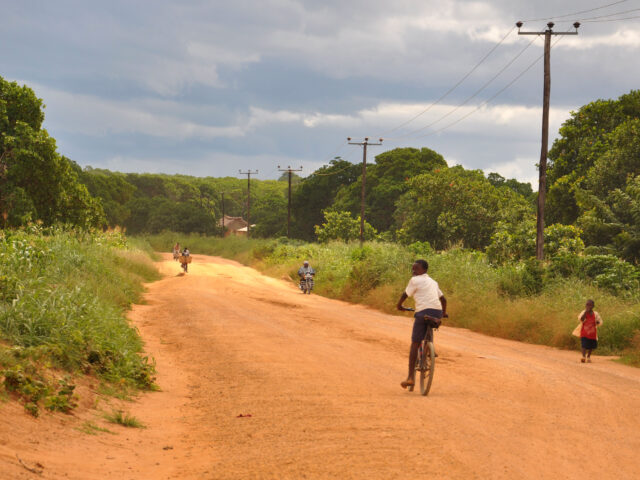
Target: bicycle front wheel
(428, 367)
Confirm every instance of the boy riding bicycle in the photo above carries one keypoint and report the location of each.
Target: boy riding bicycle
(430, 304)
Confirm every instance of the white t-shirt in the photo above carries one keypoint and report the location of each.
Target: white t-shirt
(425, 291)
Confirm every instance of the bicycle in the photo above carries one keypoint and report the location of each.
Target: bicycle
(426, 359)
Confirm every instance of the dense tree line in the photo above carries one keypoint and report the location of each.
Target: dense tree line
(151, 203)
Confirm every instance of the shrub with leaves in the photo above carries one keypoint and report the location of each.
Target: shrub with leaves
(342, 226)
(62, 303)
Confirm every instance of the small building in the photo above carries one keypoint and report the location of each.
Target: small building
(233, 225)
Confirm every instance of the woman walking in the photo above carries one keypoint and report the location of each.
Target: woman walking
(590, 320)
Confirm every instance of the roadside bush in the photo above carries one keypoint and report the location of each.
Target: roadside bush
(62, 306)
(342, 226)
(522, 279)
(567, 265)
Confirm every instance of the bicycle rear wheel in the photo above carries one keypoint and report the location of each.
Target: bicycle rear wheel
(427, 368)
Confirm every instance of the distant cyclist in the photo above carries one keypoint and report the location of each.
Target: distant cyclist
(430, 302)
(184, 259)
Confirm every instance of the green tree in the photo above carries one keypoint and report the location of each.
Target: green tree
(113, 190)
(453, 205)
(317, 193)
(342, 226)
(517, 242)
(386, 181)
(614, 222)
(36, 182)
(585, 140)
(522, 188)
(270, 213)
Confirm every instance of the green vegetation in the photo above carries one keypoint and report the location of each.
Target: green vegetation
(36, 182)
(151, 203)
(527, 301)
(594, 175)
(63, 293)
(124, 419)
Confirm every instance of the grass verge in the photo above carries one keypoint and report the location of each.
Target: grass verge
(63, 297)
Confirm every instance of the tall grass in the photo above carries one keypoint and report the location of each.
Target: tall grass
(515, 302)
(63, 295)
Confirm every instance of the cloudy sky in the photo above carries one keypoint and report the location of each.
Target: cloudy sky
(210, 87)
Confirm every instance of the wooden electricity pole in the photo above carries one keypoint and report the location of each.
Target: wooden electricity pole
(542, 178)
(289, 170)
(364, 180)
(222, 214)
(248, 173)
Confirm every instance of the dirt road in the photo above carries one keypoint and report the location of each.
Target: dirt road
(261, 382)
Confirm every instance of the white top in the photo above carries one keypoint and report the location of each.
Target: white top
(425, 291)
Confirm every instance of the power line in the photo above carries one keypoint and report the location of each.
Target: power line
(337, 150)
(446, 94)
(611, 20)
(576, 13)
(486, 102)
(609, 15)
(475, 94)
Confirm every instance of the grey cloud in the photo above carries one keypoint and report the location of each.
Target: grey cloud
(197, 82)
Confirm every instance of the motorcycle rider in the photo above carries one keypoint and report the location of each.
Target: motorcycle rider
(303, 270)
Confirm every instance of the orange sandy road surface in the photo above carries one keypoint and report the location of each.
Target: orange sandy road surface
(320, 381)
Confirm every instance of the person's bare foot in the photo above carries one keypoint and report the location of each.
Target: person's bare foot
(407, 383)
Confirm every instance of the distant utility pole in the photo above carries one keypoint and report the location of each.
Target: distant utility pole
(364, 179)
(542, 182)
(223, 214)
(248, 173)
(289, 170)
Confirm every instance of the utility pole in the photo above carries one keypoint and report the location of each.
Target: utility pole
(248, 173)
(364, 179)
(222, 214)
(542, 181)
(289, 170)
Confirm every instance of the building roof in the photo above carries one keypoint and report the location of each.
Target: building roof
(233, 223)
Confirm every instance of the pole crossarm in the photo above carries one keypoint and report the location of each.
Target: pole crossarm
(364, 178)
(290, 171)
(549, 30)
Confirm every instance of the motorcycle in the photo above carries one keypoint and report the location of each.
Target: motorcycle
(306, 283)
